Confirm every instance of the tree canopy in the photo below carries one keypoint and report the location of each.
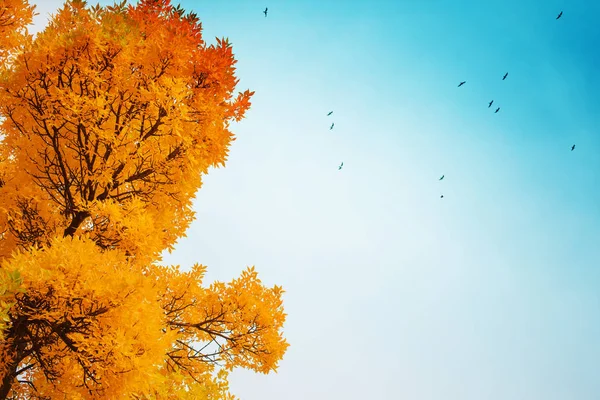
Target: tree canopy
(108, 120)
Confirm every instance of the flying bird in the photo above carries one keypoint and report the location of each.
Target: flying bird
(331, 127)
(573, 148)
(491, 102)
(462, 83)
(265, 12)
(330, 112)
(559, 15)
(442, 177)
(442, 196)
(505, 75)
(497, 109)
(341, 165)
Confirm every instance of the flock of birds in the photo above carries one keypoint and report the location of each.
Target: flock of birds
(459, 85)
(492, 101)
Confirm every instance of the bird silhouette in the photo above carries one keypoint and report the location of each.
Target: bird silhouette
(497, 109)
(341, 165)
(505, 75)
(265, 12)
(330, 112)
(491, 102)
(462, 83)
(559, 15)
(573, 148)
(331, 127)
(442, 177)
(442, 196)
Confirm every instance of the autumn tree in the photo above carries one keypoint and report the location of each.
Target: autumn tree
(109, 119)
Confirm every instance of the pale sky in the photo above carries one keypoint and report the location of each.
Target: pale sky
(492, 292)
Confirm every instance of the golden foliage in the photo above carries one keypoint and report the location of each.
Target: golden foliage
(109, 118)
(10, 285)
(113, 104)
(15, 15)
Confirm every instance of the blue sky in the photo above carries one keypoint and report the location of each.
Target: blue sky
(393, 293)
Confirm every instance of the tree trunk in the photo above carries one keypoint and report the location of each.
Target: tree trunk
(7, 375)
(78, 218)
